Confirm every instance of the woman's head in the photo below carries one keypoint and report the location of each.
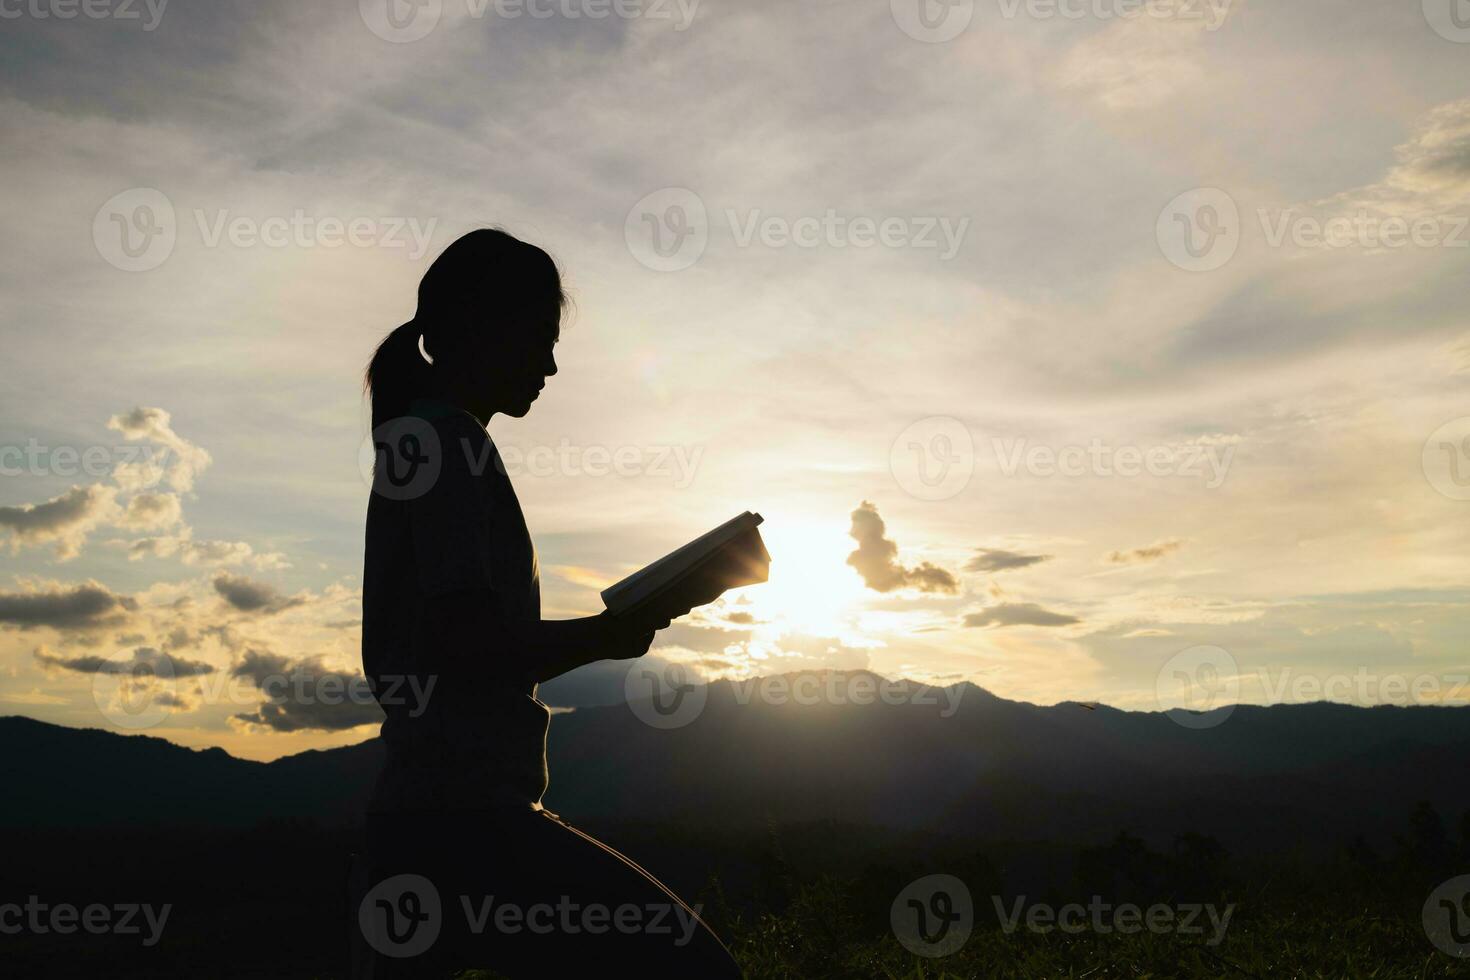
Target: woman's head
(489, 313)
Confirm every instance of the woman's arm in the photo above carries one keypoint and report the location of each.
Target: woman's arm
(461, 624)
(559, 645)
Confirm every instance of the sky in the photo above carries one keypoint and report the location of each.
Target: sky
(1084, 350)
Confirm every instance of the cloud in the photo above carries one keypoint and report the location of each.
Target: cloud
(1017, 614)
(997, 560)
(152, 512)
(154, 425)
(304, 694)
(65, 520)
(78, 607)
(248, 595)
(586, 577)
(1432, 172)
(143, 661)
(1139, 63)
(701, 636)
(1153, 552)
(207, 553)
(876, 559)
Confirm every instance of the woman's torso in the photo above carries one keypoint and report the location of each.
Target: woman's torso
(443, 518)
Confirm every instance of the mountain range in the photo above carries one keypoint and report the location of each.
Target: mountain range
(956, 761)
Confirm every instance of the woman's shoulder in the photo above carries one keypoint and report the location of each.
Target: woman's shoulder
(460, 440)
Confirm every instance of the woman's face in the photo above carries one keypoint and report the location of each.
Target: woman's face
(506, 369)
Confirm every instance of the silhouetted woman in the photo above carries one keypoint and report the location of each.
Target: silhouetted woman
(451, 597)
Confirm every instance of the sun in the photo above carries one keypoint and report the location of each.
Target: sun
(811, 589)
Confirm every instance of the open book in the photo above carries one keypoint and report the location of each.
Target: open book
(731, 555)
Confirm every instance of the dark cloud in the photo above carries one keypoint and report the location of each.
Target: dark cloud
(303, 694)
(1018, 614)
(998, 560)
(257, 666)
(65, 519)
(248, 595)
(1153, 552)
(79, 607)
(144, 661)
(171, 699)
(876, 559)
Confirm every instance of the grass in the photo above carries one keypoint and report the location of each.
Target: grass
(818, 937)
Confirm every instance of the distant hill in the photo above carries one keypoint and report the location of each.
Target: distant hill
(1265, 779)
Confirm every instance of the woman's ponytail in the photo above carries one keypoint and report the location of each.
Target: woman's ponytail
(397, 373)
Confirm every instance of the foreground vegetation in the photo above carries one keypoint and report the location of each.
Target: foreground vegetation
(812, 901)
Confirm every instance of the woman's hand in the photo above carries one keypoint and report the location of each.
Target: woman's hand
(627, 639)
